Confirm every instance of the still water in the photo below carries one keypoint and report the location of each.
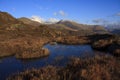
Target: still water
(59, 56)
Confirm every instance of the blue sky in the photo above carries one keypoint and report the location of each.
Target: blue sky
(83, 11)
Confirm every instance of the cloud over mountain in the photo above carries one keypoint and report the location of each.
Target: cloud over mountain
(52, 20)
(37, 18)
(100, 21)
(42, 20)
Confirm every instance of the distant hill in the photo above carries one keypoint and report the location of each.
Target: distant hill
(29, 21)
(61, 27)
(116, 31)
(72, 25)
(8, 22)
(113, 28)
(82, 27)
(15, 27)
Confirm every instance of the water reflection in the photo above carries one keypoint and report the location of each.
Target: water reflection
(59, 55)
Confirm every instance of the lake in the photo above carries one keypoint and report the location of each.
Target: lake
(59, 56)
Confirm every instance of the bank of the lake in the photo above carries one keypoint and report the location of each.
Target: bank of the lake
(59, 56)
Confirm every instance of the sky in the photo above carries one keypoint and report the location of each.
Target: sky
(82, 11)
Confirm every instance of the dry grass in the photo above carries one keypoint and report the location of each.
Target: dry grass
(25, 47)
(109, 43)
(97, 68)
(73, 40)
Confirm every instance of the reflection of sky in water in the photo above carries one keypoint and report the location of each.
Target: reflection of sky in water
(59, 55)
(66, 50)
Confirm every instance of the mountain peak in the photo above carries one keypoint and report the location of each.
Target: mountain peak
(65, 21)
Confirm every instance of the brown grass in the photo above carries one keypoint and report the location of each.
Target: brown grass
(97, 68)
(25, 47)
(73, 40)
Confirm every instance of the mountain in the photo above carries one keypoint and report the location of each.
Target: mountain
(113, 28)
(29, 21)
(12, 27)
(61, 27)
(116, 31)
(8, 22)
(72, 25)
(82, 27)
(6, 18)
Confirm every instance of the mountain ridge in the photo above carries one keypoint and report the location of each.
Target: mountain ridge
(9, 22)
(29, 21)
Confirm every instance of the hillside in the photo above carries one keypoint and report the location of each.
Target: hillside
(28, 21)
(8, 22)
(74, 28)
(77, 26)
(113, 28)
(6, 19)
(61, 27)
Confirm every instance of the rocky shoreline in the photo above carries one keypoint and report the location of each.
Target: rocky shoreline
(101, 42)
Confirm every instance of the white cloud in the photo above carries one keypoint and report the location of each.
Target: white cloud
(60, 13)
(52, 20)
(107, 22)
(42, 20)
(55, 13)
(37, 18)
